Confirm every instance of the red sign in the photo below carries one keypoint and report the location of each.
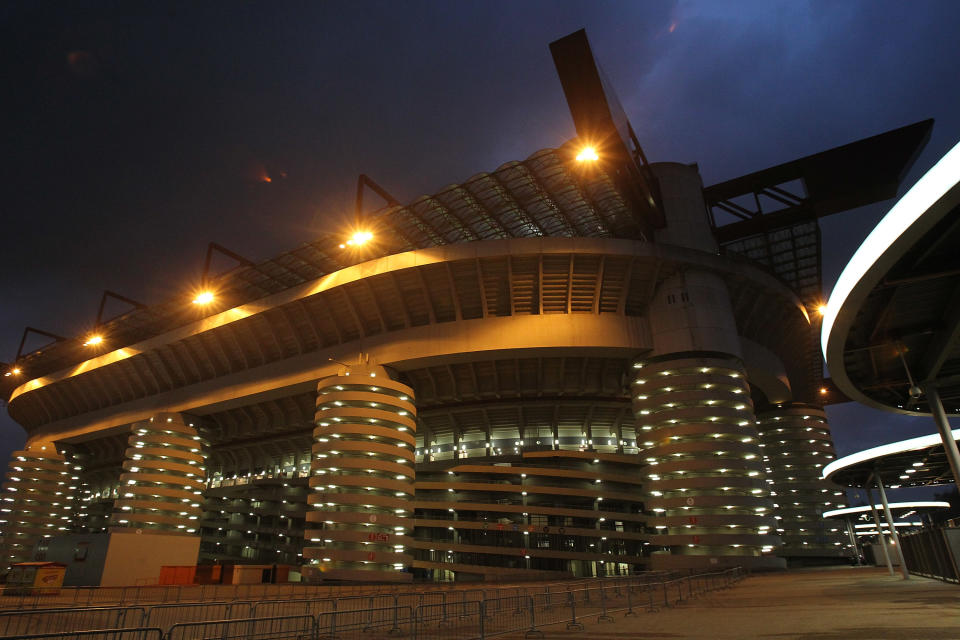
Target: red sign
(692, 519)
(696, 539)
(371, 556)
(378, 537)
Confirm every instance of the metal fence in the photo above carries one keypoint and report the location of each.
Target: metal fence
(429, 615)
(15, 624)
(934, 553)
(34, 598)
(45, 598)
(108, 634)
(528, 613)
(284, 628)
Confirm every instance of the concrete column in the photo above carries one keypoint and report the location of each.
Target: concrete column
(893, 528)
(946, 434)
(164, 476)
(362, 482)
(37, 500)
(880, 536)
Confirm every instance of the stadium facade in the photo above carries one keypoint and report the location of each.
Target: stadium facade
(568, 365)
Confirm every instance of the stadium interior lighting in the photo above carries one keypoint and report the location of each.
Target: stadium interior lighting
(587, 154)
(13, 372)
(204, 297)
(93, 340)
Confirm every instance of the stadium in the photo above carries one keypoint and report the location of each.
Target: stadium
(578, 364)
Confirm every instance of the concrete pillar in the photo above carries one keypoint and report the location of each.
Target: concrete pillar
(37, 500)
(164, 476)
(362, 482)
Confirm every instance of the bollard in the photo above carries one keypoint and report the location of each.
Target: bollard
(573, 624)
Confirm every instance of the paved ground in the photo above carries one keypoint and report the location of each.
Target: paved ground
(838, 604)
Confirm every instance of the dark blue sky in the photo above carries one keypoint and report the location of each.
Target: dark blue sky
(136, 133)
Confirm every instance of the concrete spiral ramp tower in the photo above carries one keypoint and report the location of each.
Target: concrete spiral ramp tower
(362, 482)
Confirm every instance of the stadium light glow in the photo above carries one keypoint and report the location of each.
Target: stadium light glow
(93, 340)
(358, 239)
(204, 297)
(587, 154)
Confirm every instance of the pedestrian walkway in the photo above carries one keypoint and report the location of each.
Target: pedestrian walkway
(823, 604)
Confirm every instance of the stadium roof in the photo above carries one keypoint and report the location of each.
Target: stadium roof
(893, 320)
(917, 462)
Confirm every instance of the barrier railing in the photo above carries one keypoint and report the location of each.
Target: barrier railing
(166, 615)
(108, 634)
(15, 624)
(13, 598)
(527, 613)
(933, 553)
(289, 627)
(467, 613)
(360, 623)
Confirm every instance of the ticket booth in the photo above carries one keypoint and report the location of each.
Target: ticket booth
(35, 578)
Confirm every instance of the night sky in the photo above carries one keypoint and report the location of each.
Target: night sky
(134, 133)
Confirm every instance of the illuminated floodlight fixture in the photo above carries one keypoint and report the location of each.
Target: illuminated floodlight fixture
(587, 154)
(204, 297)
(13, 372)
(93, 340)
(821, 309)
(358, 239)
(823, 391)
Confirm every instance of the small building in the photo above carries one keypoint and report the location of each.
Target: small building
(33, 577)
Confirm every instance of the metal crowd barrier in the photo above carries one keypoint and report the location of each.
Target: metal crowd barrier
(15, 624)
(108, 634)
(524, 613)
(290, 627)
(429, 615)
(933, 553)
